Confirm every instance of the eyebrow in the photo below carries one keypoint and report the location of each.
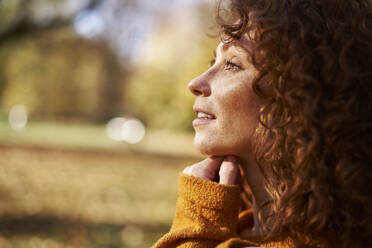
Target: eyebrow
(226, 46)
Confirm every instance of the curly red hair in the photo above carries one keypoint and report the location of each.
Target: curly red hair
(315, 147)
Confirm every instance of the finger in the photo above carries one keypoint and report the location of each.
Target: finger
(187, 170)
(229, 170)
(212, 163)
(208, 168)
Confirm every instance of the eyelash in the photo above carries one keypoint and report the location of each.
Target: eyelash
(228, 65)
(231, 66)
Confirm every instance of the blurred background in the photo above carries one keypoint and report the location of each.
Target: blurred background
(95, 117)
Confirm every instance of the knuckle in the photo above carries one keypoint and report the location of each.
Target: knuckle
(202, 166)
(193, 170)
(187, 170)
(205, 169)
(200, 171)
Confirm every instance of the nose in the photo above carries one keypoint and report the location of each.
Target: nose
(199, 86)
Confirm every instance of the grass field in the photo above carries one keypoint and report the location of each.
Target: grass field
(93, 137)
(62, 194)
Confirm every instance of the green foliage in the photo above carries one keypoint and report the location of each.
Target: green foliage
(93, 137)
(9, 12)
(59, 75)
(21, 74)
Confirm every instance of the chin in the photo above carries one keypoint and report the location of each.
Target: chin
(209, 151)
(217, 147)
(211, 147)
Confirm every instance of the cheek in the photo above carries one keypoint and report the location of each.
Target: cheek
(239, 112)
(239, 108)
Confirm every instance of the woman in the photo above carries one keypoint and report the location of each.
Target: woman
(284, 112)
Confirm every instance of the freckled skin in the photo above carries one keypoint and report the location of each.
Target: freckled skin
(227, 93)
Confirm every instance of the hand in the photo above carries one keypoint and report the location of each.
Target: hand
(209, 169)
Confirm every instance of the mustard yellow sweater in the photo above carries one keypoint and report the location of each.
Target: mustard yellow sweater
(207, 215)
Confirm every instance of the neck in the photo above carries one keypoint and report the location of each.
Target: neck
(253, 178)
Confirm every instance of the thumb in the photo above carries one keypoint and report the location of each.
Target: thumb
(229, 170)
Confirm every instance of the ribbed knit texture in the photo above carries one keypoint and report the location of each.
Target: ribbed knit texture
(207, 216)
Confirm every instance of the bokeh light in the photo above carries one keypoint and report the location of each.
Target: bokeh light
(89, 24)
(113, 128)
(131, 130)
(18, 117)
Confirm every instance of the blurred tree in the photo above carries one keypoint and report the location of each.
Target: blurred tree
(60, 75)
(55, 58)
(47, 67)
(22, 17)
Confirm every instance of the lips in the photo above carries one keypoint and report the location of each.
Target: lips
(203, 113)
(204, 117)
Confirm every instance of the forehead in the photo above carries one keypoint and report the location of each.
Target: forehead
(240, 46)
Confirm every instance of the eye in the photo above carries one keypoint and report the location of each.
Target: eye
(231, 66)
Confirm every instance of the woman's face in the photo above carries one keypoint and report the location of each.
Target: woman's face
(226, 105)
